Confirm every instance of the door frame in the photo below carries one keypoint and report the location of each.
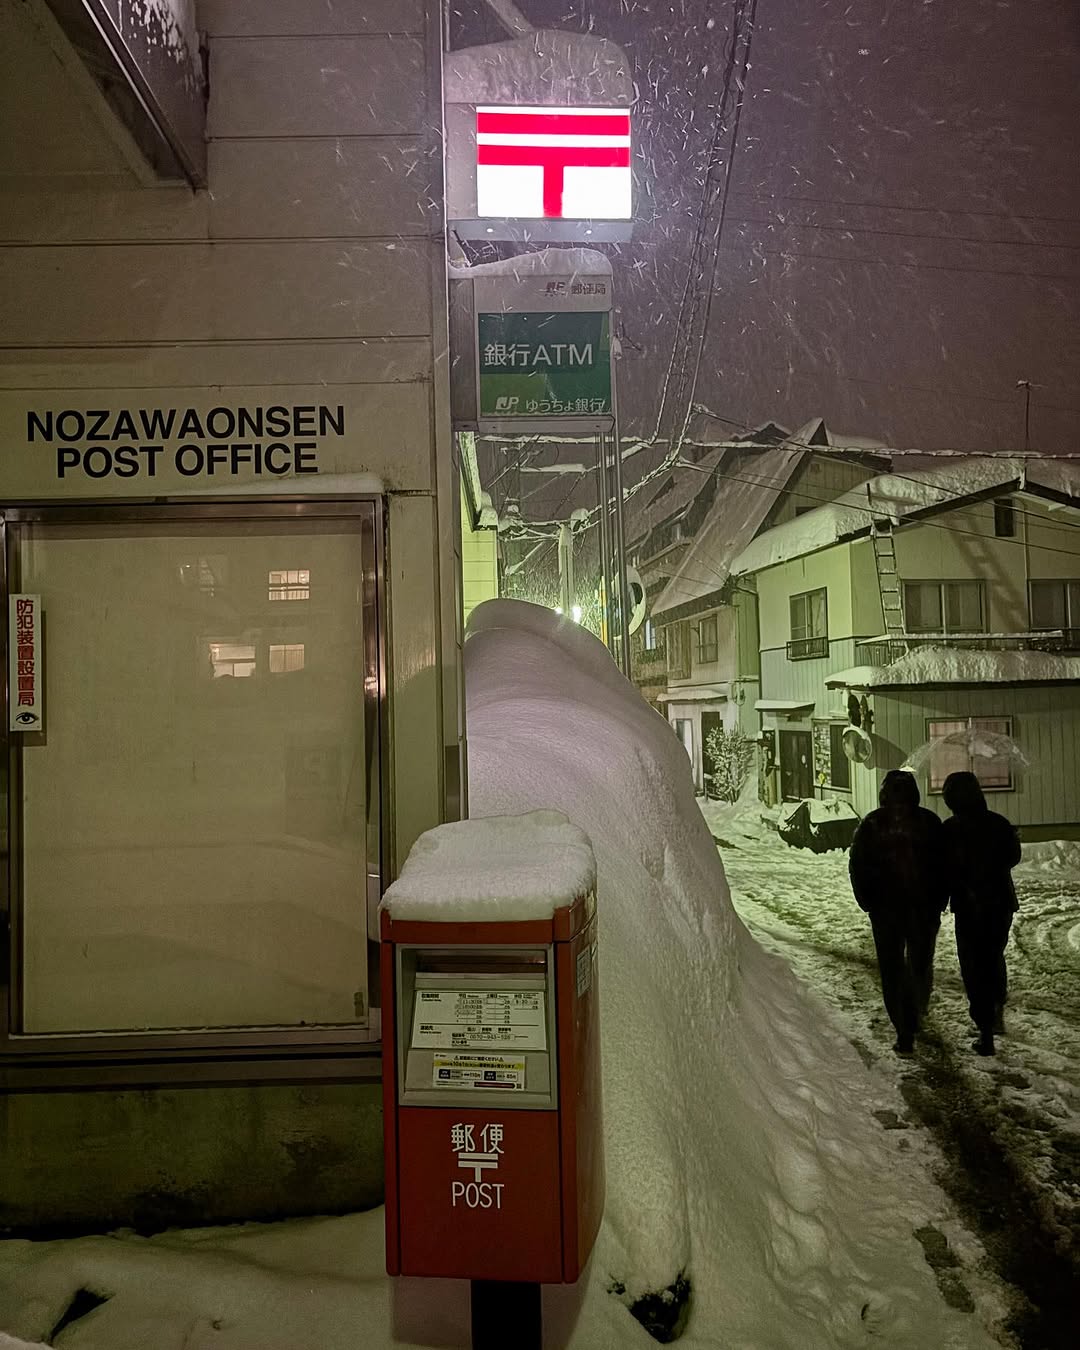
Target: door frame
(118, 1058)
(784, 738)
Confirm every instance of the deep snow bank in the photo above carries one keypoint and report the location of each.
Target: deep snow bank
(733, 1152)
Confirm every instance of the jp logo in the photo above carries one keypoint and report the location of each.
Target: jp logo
(504, 404)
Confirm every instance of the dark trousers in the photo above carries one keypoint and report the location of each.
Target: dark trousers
(981, 937)
(905, 953)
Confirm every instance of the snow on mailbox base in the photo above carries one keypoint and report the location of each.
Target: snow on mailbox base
(499, 869)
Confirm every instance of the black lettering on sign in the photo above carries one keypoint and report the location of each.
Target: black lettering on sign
(97, 420)
(249, 422)
(123, 426)
(328, 421)
(220, 422)
(97, 462)
(71, 426)
(305, 457)
(66, 458)
(157, 422)
(189, 460)
(278, 421)
(35, 426)
(190, 425)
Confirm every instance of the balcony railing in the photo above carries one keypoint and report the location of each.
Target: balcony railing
(884, 651)
(805, 649)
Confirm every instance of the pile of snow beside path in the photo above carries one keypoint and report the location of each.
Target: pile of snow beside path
(733, 1151)
(1053, 855)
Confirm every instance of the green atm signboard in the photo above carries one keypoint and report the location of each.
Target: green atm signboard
(544, 364)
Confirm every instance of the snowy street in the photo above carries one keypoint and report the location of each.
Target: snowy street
(1010, 1125)
(762, 1193)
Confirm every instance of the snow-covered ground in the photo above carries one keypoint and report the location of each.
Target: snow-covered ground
(1027, 1097)
(751, 1154)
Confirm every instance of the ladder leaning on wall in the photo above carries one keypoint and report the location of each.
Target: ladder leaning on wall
(892, 604)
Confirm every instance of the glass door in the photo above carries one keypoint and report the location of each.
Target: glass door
(193, 830)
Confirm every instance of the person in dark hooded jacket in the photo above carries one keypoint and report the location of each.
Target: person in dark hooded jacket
(981, 849)
(897, 877)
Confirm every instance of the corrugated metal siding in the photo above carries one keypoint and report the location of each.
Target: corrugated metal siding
(781, 678)
(1045, 723)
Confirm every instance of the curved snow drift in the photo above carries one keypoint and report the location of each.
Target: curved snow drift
(734, 1153)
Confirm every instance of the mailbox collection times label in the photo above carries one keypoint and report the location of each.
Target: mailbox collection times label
(479, 1019)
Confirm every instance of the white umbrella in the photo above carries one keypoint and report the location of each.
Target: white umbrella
(976, 742)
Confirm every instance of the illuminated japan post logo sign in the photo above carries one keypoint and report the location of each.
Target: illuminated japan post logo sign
(553, 163)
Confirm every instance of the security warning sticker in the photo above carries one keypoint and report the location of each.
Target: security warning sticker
(478, 1071)
(479, 1019)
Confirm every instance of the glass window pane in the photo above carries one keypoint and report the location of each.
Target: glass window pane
(1048, 605)
(963, 607)
(194, 831)
(1072, 618)
(922, 607)
(818, 622)
(946, 759)
(798, 611)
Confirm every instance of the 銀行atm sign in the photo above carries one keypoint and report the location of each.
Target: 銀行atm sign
(553, 163)
(25, 685)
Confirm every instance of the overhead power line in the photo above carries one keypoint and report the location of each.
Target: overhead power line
(937, 238)
(904, 207)
(912, 266)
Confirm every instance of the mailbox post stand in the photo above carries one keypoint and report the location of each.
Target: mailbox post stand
(493, 1130)
(499, 1305)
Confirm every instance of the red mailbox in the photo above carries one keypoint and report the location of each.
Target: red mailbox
(491, 1077)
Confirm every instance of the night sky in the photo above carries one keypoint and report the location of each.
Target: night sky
(902, 238)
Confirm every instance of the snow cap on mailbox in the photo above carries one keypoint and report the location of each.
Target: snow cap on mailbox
(496, 869)
(538, 144)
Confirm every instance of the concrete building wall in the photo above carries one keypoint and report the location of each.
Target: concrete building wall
(479, 563)
(310, 273)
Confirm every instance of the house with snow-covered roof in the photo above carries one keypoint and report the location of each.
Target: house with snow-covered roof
(930, 618)
(696, 656)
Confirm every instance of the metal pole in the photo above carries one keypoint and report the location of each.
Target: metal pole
(620, 538)
(505, 1314)
(604, 497)
(1025, 385)
(566, 570)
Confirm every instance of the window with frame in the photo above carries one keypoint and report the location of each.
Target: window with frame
(944, 607)
(1004, 518)
(1054, 604)
(289, 584)
(650, 637)
(285, 657)
(708, 640)
(809, 615)
(678, 649)
(839, 764)
(993, 772)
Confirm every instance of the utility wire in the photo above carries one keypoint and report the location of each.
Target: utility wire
(904, 234)
(914, 266)
(897, 206)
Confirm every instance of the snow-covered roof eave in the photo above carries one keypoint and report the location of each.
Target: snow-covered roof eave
(905, 500)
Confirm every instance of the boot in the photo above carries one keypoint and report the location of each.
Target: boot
(999, 1020)
(985, 1044)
